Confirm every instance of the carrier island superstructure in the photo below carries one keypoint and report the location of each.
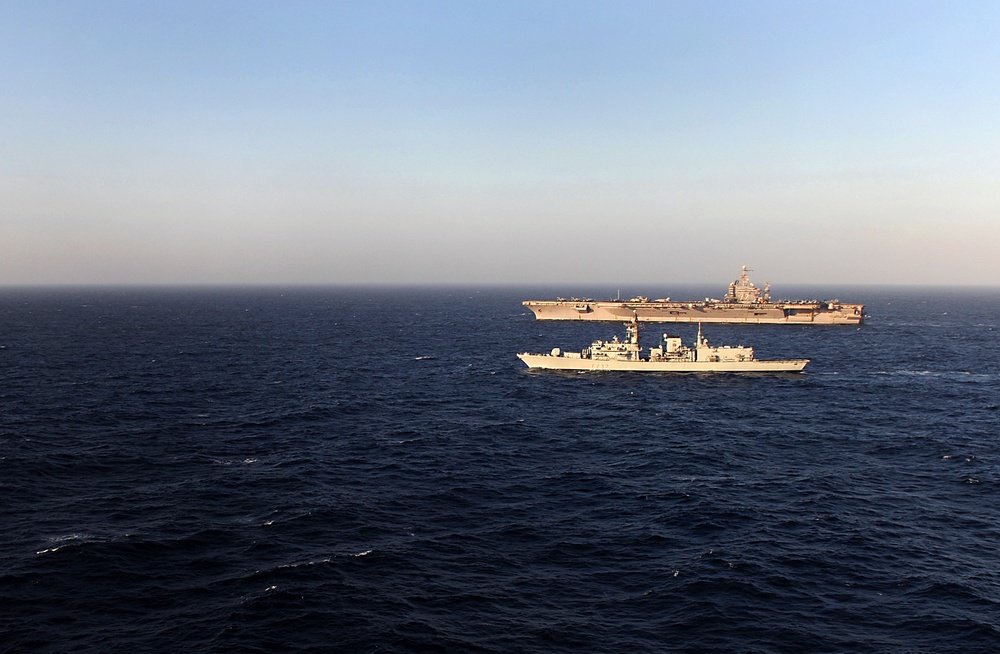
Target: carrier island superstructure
(743, 303)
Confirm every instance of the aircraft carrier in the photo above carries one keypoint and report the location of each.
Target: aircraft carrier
(743, 303)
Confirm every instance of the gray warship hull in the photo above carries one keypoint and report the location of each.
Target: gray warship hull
(744, 303)
(576, 363)
(800, 313)
(670, 355)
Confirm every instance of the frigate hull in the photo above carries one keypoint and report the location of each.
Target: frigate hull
(669, 355)
(563, 362)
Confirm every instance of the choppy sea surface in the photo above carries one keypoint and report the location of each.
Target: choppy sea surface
(373, 470)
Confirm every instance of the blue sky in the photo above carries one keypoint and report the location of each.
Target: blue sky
(499, 142)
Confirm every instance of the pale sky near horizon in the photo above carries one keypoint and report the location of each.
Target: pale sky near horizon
(505, 142)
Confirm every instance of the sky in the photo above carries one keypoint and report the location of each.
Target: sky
(499, 142)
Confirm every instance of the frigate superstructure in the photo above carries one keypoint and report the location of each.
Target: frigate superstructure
(669, 356)
(743, 303)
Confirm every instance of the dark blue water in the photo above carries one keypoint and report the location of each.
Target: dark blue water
(373, 470)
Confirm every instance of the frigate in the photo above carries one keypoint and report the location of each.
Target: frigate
(669, 356)
(743, 303)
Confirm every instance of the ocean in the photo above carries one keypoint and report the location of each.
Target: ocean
(373, 470)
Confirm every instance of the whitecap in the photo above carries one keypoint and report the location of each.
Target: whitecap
(65, 539)
(60, 539)
(287, 566)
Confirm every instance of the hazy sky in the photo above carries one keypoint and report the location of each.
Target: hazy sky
(476, 141)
